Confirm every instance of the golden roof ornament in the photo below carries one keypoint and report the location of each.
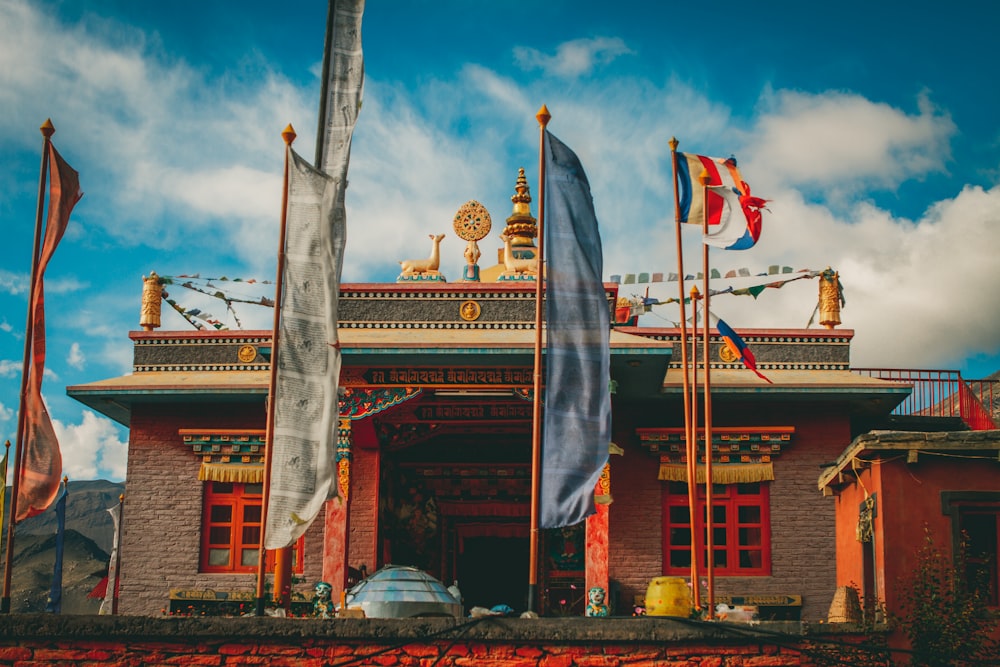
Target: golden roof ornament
(521, 225)
(423, 270)
(831, 298)
(152, 293)
(472, 223)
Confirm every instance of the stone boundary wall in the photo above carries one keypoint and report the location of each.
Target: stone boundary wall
(89, 641)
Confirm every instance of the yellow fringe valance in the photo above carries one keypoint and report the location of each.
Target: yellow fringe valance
(228, 472)
(722, 473)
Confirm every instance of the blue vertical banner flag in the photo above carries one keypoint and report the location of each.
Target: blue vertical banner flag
(577, 417)
(54, 603)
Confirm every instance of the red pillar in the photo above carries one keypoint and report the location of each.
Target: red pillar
(336, 529)
(597, 537)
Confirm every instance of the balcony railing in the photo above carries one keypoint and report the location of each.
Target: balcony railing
(944, 394)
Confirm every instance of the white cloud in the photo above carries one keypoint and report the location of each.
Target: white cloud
(6, 414)
(9, 368)
(76, 358)
(574, 58)
(838, 144)
(92, 449)
(13, 283)
(178, 152)
(5, 326)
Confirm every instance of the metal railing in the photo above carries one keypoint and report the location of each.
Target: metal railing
(944, 394)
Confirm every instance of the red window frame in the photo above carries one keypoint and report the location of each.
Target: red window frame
(231, 528)
(741, 529)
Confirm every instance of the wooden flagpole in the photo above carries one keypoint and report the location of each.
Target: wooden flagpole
(709, 541)
(47, 130)
(289, 136)
(697, 523)
(691, 449)
(543, 116)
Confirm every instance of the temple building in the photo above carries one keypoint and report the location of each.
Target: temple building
(434, 450)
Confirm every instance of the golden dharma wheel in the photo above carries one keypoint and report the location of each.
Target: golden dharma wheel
(472, 221)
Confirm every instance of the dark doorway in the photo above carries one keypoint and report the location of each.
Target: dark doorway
(493, 571)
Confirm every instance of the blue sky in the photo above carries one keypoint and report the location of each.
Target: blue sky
(870, 127)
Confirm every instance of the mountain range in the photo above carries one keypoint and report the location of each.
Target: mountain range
(88, 540)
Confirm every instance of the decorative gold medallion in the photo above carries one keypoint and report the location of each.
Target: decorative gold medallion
(726, 354)
(470, 311)
(472, 221)
(247, 353)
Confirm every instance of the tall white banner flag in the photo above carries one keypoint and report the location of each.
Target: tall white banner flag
(304, 440)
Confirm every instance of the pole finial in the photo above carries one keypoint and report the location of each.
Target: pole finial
(673, 143)
(695, 294)
(543, 116)
(47, 128)
(288, 134)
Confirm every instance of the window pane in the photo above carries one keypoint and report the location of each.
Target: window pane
(980, 533)
(719, 536)
(251, 535)
(251, 513)
(750, 537)
(253, 489)
(218, 557)
(749, 558)
(749, 514)
(221, 514)
(222, 488)
(679, 514)
(721, 558)
(680, 537)
(249, 557)
(718, 514)
(748, 489)
(219, 535)
(680, 558)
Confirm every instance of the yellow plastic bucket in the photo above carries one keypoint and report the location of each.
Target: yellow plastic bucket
(668, 596)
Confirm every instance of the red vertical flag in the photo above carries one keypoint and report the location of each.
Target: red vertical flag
(41, 461)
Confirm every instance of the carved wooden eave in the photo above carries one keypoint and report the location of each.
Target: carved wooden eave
(916, 447)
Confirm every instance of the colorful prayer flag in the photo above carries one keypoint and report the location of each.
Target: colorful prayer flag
(739, 348)
(577, 415)
(111, 581)
(734, 217)
(41, 460)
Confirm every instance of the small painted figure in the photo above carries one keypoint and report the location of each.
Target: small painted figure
(595, 603)
(323, 603)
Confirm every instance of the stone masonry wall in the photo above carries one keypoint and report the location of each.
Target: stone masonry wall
(635, 549)
(161, 540)
(802, 520)
(35, 640)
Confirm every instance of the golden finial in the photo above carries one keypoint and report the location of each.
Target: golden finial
(288, 134)
(152, 292)
(47, 128)
(695, 294)
(543, 116)
(521, 225)
(673, 143)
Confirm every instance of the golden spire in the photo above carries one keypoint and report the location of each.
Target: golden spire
(521, 225)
